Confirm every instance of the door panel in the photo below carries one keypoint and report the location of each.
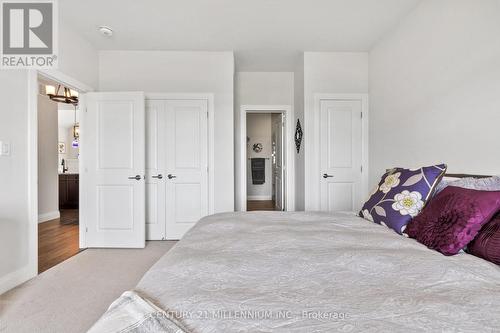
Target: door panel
(340, 139)
(340, 196)
(116, 134)
(188, 202)
(155, 161)
(186, 161)
(116, 207)
(187, 129)
(341, 150)
(113, 144)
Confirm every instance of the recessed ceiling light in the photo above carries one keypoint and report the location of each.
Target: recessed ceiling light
(105, 31)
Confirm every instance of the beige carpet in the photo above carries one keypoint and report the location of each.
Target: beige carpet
(71, 296)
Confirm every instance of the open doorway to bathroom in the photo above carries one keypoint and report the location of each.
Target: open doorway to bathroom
(265, 161)
(58, 174)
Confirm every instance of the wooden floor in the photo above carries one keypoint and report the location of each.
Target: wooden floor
(58, 240)
(253, 205)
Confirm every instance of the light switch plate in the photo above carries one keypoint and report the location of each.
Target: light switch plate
(4, 148)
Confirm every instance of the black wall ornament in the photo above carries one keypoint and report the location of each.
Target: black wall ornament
(298, 136)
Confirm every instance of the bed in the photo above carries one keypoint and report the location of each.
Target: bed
(307, 272)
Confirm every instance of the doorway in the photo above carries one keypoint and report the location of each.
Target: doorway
(267, 156)
(265, 169)
(58, 173)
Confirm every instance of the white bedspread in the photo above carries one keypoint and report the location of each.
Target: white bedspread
(318, 272)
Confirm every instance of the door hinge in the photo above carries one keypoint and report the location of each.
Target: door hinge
(207, 114)
(361, 168)
(361, 115)
(86, 229)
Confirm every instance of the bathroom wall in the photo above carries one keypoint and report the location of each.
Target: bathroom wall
(48, 183)
(259, 131)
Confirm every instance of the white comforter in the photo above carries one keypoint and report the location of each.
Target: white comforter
(318, 272)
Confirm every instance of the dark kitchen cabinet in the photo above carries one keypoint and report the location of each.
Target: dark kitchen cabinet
(68, 191)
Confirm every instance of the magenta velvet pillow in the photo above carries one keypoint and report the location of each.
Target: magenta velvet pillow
(486, 245)
(453, 218)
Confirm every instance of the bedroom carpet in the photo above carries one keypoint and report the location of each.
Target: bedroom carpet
(71, 296)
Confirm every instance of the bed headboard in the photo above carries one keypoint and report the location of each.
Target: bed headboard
(457, 175)
(464, 175)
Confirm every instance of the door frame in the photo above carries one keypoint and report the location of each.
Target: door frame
(209, 97)
(289, 150)
(312, 160)
(32, 119)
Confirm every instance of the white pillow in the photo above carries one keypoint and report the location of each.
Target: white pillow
(481, 184)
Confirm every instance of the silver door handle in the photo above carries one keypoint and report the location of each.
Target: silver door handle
(160, 176)
(137, 177)
(171, 176)
(325, 175)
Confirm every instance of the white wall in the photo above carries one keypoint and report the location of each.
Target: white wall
(259, 130)
(264, 88)
(48, 182)
(258, 88)
(327, 72)
(14, 228)
(77, 57)
(298, 105)
(435, 89)
(183, 72)
(18, 239)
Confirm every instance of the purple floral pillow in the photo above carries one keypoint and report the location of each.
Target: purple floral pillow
(401, 195)
(453, 218)
(486, 245)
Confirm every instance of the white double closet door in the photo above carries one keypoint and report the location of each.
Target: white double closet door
(176, 166)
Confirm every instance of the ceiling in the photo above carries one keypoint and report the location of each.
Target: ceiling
(266, 35)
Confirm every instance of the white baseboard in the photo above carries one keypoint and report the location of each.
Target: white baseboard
(48, 216)
(15, 278)
(260, 197)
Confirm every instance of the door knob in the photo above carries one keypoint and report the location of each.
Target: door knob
(159, 176)
(325, 175)
(171, 176)
(137, 177)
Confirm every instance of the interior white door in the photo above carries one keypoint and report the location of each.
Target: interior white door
(155, 170)
(113, 151)
(278, 162)
(341, 154)
(186, 165)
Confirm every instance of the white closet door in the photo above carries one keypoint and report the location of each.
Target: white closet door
(155, 170)
(186, 168)
(113, 152)
(341, 153)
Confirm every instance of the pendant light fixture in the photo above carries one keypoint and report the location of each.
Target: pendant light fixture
(67, 95)
(76, 132)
